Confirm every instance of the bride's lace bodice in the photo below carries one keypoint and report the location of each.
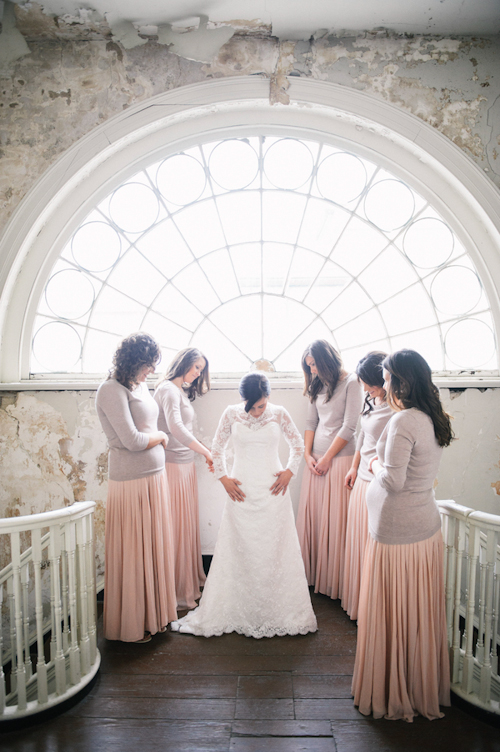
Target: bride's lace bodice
(272, 414)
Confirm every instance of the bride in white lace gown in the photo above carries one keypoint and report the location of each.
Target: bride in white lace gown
(256, 585)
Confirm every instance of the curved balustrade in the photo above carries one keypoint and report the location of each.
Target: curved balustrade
(472, 575)
(49, 586)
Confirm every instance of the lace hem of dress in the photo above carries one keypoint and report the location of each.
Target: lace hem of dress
(257, 632)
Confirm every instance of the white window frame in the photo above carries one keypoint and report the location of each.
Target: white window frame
(116, 150)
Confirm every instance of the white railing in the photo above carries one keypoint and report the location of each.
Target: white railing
(472, 576)
(47, 587)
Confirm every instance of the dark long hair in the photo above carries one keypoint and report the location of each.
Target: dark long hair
(369, 370)
(181, 365)
(133, 353)
(329, 366)
(253, 386)
(411, 385)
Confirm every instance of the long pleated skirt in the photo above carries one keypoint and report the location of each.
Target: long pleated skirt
(321, 526)
(189, 574)
(355, 544)
(402, 665)
(139, 590)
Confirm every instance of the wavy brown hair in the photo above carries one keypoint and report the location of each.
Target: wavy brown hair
(411, 386)
(329, 366)
(181, 365)
(369, 370)
(133, 353)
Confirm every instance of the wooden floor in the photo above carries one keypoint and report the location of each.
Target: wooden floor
(285, 694)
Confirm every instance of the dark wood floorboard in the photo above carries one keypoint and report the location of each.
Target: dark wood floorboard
(180, 693)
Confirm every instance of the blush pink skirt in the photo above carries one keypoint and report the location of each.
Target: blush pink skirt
(355, 544)
(321, 526)
(402, 666)
(139, 588)
(189, 574)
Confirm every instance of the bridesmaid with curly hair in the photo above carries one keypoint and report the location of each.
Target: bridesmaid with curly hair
(335, 403)
(139, 592)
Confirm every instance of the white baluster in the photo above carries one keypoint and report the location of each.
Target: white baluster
(41, 668)
(25, 578)
(468, 665)
(490, 553)
(12, 614)
(496, 607)
(74, 650)
(455, 652)
(18, 608)
(55, 557)
(2, 675)
(83, 598)
(64, 593)
(91, 589)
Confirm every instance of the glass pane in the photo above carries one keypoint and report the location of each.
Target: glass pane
(240, 216)
(195, 286)
(456, 290)
(284, 320)
(364, 328)
(288, 163)
(358, 245)
(96, 246)
(304, 269)
(469, 343)
(134, 207)
(219, 270)
(290, 359)
(387, 275)
(282, 216)
(57, 347)
(165, 248)
(389, 204)
(247, 264)
(409, 310)
(69, 294)
(277, 258)
(165, 332)
(241, 322)
(323, 223)
(99, 350)
(427, 342)
(327, 287)
(234, 164)
(428, 242)
(347, 306)
(200, 227)
(181, 179)
(115, 312)
(175, 306)
(341, 177)
(135, 277)
(352, 355)
(222, 354)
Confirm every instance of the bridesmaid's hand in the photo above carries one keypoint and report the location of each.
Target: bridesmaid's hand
(322, 466)
(279, 486)
(210, 463)
(311, 464)
(350, 478)
(232, 490)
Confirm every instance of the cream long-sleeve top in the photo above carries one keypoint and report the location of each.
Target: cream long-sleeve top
(400, 500)
(337, 417)
(372, 425)
(272, 414)
(127, 418)
(176, 419)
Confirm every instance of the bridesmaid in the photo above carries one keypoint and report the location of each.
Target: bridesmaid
(186, 377)
(374, 418)
(335, 403)
(139, 592)
(402, 667)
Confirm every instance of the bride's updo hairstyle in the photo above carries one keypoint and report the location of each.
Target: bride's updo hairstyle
(253, 386)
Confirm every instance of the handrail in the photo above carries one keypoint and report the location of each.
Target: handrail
(50, 586)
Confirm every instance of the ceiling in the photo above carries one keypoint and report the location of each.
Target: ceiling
(287, 19)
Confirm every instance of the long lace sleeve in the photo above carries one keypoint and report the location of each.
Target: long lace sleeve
(293, 439)
(219, 444)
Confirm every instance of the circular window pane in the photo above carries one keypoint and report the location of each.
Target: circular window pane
(288, 164)
(96, 246)
(341, 178)
(428, 243)
(234, 164)
(57, 346)
(389, 204)
(469, 343)
(69, 294)
(181, 179)
(456, 290)
(134, 207)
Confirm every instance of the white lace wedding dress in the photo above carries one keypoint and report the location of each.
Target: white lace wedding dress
(256, 585)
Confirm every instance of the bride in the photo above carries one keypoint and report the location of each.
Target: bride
(256, 585)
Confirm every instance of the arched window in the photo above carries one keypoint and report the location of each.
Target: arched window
(250, 248)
